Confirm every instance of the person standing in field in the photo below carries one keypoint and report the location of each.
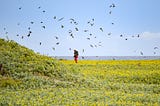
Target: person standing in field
(75, 56)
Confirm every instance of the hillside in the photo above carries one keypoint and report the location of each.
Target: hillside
(22, 68)
(30, 79)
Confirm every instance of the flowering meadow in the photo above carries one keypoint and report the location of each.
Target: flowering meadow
(30, 79)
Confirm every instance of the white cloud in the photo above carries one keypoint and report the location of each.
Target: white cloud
(150, 35)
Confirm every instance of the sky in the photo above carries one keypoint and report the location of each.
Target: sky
(99, 28)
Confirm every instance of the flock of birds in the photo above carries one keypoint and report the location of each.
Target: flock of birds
(71, 32)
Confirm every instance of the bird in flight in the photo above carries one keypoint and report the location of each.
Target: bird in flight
(61, 19)
(101, 29)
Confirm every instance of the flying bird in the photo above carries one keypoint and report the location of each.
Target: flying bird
(112, 5)
(70, 31)
(18, 24)
(29, 28)
(62, 26)
(54, 17)
(85, 30)
(155, 47)
(29, 35)
(20, 8)
(56, 37)
(32, 22)
(57, 43)
(83, 50)
(71, 35)
(54, 48)
(101, 29)
(91, 46)
(76, 29)
(109, 33)
(88, 38)
(43, 27)
(22, 37)
(61, 19)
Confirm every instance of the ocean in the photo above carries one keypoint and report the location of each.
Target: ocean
(109, 57)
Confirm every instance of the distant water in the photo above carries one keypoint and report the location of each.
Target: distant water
(110, 57)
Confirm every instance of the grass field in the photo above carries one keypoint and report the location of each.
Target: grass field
(29, 79)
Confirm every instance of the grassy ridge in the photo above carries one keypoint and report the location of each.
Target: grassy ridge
(23, 69)
(30, 79)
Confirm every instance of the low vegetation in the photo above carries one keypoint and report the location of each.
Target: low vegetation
(30, 79)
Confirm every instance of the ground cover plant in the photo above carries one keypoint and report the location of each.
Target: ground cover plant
(30, 79)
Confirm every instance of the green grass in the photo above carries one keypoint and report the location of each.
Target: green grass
(30, 79)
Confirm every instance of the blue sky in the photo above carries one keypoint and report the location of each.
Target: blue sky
(130, 18)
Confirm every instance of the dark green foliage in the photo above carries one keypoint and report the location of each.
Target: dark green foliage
(32, 69)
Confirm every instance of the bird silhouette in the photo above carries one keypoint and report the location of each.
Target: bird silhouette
(75, 23)
(56, 37)
(155, 47)
(110, 12)
(88, 38)
(29, 35)
(18, 24)
(85, 30)
(43, 27)
(57, 43)
(62, 26)
(54, 17)
(54, 48)
(83, 50)
(61, 19)
(112, 5)
(101, 29)
(76, 29)
(109, 33)
(22, 37)
(71, 35)
(141, 53)
(20, 8)
(29, 28)
(70, 31)
(32, 22)
(91, 45)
